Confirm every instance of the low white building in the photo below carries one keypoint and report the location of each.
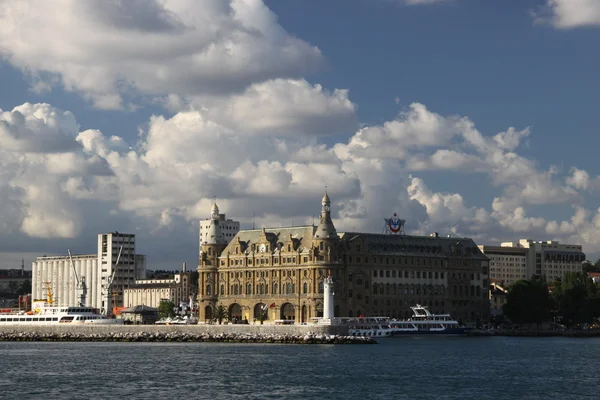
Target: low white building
(55, 273)
(151, 292)
(549, 259)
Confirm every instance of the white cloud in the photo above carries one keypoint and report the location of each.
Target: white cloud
(568, 14)
(282, 107)
(111, 50)
(166, 182)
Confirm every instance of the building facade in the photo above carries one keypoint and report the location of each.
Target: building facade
(508, 263)
(548, 259)
(217, 228)
(95, 271)
(283, 269)
(151, 292)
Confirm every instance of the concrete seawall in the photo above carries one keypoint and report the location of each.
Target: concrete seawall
(306, 334)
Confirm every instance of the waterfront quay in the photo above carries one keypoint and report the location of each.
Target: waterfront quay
(300, 334)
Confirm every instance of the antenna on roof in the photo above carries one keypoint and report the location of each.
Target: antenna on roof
(253, 215)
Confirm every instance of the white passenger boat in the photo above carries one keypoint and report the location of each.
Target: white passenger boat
(424, 322)
(375, 327)
(43, 313)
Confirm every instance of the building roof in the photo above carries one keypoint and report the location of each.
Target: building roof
(141, 309)
(417, 245)
(299, 236)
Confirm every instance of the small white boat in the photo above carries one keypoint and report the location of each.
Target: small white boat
(424, 322)
(374, 327)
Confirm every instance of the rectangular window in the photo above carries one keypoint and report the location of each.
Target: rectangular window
(375, 273)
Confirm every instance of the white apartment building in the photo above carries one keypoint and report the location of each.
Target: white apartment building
(58, 275)
(150, 292)
(217, 229)
(549, 259)
(507, 264)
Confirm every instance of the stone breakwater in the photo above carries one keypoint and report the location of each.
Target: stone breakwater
(189, 333)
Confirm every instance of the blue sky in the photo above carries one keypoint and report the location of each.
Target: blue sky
(473, 118)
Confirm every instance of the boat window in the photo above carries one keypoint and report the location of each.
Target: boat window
(2, 319)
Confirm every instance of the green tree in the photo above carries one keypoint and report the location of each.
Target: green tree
(165, 309)
(576, 298)
(25, 288)
(588, 266)
(528, 301)
(220, 313)
(13, 286)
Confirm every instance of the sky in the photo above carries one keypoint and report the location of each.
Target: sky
(465, 117)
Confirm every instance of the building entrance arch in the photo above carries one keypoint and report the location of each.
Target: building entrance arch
(235, 312)
(208, 313)
(288, 311)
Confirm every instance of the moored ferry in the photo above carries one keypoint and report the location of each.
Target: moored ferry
(423, 322)
(42, 313)
(374, 327)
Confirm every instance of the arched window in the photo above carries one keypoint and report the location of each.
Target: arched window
(208, 290)
(388, 289)
(288, 288)
(321, 287)
(235, 290)
(374, 288)
(222, 290)
(248, 289)
(275, 289)
(478, 291)
(381, 288)
(305, 288)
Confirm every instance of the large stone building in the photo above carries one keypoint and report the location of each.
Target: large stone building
(512, 261)
(282, 270)
(95, 270)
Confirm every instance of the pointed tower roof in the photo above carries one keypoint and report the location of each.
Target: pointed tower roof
(326, 229)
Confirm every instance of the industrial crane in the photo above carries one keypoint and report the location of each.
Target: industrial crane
(109, 281)
(80, 280)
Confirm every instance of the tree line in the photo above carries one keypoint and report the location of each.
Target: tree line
(571, 301)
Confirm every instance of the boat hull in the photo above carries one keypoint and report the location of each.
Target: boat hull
(445, 332)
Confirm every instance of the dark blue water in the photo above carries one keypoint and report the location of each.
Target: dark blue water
(397, 368)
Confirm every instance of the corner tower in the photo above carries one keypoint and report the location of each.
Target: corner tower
(325, 238)
(215, 233)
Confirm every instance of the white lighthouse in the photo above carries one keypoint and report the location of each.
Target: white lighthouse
(328, 317)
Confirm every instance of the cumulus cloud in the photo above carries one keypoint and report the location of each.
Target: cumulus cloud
(167, 181)
(125, 48)
(568, 14)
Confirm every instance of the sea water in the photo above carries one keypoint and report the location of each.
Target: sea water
(396, 368)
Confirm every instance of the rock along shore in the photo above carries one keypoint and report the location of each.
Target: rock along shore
(186, 333)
